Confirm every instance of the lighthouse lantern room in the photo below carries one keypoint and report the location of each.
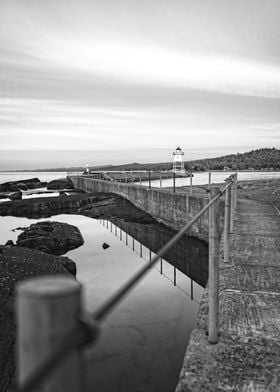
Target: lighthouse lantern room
(178, 163)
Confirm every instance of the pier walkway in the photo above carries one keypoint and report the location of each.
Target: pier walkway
(247, 357)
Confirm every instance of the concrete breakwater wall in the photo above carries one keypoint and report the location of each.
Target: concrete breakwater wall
(172, 209)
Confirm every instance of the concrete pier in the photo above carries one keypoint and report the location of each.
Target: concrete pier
(172, 209)
(247, 357)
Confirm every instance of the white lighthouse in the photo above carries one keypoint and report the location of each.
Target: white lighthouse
(178, 163)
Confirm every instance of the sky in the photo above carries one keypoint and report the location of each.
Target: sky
(118, 81)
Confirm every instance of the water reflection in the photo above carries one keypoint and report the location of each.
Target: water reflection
(185, 266)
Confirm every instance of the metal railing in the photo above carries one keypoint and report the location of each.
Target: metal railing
(47, 306)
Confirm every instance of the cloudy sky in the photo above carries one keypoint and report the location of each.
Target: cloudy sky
(130, 80)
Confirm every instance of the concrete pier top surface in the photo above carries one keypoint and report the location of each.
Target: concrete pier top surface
(247, 357)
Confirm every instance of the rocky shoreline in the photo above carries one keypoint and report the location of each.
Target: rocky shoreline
(18, 263)
(100, 205)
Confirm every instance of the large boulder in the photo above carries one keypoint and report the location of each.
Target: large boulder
(51, 237)
(60, 183)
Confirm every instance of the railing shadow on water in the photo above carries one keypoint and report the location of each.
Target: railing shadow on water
(190, 258)
(53, 329)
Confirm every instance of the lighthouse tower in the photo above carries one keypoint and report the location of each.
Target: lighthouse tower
(178, 163)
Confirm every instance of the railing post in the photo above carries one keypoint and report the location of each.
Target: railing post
(232, 209)
(140, 179)
(174, 182)
(227, 226)
(191, 183)
(48, 307)
(160, 181)
(213, 336)
(235, 192)
(149, 180)
(209, 185)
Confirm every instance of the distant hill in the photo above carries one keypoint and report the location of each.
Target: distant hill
(264, 158)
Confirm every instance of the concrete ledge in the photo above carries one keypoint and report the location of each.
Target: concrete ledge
(230, 365)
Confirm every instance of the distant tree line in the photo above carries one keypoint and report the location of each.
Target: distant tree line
(260, 159)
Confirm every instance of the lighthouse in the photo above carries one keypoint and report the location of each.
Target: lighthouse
(178, 163)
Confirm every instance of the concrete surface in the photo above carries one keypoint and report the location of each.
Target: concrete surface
(247, 357)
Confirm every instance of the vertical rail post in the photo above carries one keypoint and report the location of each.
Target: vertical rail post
(126, 239)
(235, 192)
(227, 226)
(161, 265)
(232, 203)
(45, 307)
(150, 255)
(174, 280)
(213, 331)
(133, 243)
(191, 190)
(174, 182)
(160, 181)
(149, 180)
(191, 289)
(140, 179)
(209, 184)
(141, 250)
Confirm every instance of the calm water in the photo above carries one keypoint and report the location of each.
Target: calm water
(143, 341)
(216, 177)
(43, 176)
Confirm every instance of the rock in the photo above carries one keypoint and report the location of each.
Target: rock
(13, 186)
(105, 246)
(22, 186)
(10, 243)
(15, 196)
(69, 265)
(94, 205)
(51, 237)
(61, 183)
(17, 264)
